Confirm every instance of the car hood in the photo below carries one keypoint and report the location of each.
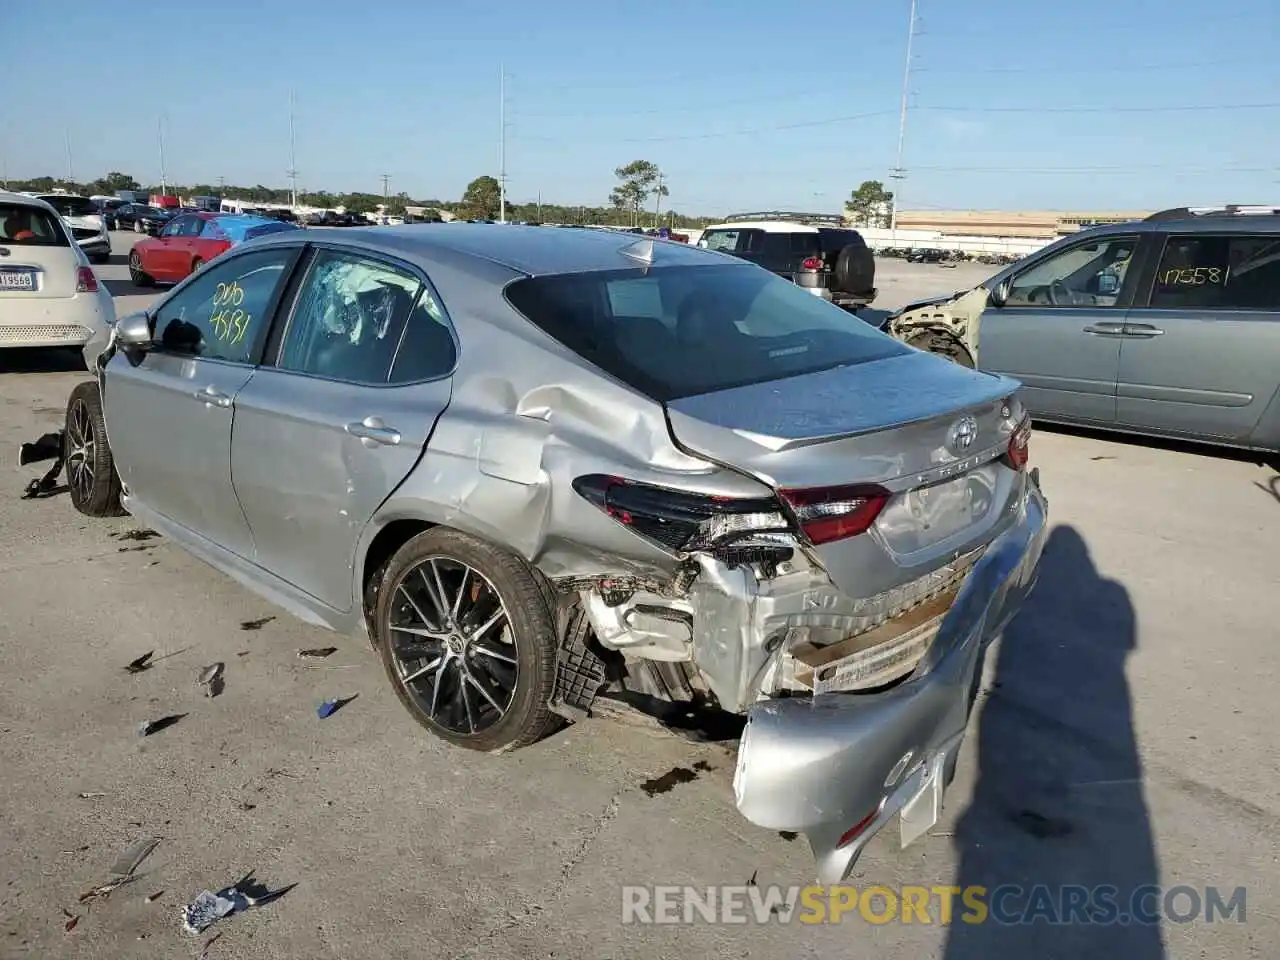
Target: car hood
(933, 301)
(89, 222)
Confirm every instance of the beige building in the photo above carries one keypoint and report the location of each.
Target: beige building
(1031, 225)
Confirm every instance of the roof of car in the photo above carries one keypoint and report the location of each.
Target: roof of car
(535, 251)
(1196, 220)
(25, 199)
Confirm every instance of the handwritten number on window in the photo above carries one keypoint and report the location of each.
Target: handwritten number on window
(1193, 276)
(229, 323)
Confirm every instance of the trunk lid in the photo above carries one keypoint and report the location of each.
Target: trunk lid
(928, 431)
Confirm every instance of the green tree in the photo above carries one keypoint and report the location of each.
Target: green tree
(481, 200)
(870, 204)
(639, 179)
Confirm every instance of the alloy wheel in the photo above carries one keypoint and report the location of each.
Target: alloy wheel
(81, 457)
(453, 646)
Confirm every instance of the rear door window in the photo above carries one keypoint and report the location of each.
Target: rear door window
(681, 331)
(1239, 272)
(349, 318)
(23, 226)
(71, 206)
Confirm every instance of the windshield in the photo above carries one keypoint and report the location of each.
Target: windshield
(681, 331)
(23, 226)
(71, 206)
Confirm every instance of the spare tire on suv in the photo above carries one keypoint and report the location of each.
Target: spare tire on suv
(855, 270)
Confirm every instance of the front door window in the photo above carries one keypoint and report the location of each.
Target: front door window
(1089, 274)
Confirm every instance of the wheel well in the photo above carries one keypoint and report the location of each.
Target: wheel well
(384, 546)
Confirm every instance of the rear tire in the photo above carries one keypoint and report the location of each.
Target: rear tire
(449, 681)
(942, 345)
(92, 481)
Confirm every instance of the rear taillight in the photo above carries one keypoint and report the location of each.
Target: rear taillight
(1020, 445)
(812, 263)
(834, 513)
(86, 282)
(749, 528)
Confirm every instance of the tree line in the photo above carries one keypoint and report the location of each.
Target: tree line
(635, 201)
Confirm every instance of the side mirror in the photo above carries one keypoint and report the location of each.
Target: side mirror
(134, 331)
(1000, 294)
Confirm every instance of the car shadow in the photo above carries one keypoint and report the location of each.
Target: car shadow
(126, 288)
(1058, 814)
(42, 360)
(1163, 443)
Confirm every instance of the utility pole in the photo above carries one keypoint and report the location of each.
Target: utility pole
(386, 190)
(539, 206)
(66, 136)
(293, 163)
(657, 200)
(502, 143)
(899, 172)
(222, 183)
(164, 183)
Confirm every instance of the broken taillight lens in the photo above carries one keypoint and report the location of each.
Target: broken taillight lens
(834, 513)
(1020, 445)
(685, 521)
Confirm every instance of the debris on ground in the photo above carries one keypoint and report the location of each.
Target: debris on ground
(211, 679)
(330, 707)
(317, 653)
(103, 890)
(208, 907)
(152, 898)
(132, 856)
(204, 951)
(72, 920)
(255, 624)
(136, 535)
(142, 663)
(148, 727)
(91, 795)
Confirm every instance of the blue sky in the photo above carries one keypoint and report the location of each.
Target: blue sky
(744, 104)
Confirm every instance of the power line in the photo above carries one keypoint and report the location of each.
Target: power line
(738, 133)
(1086, 68)
(1179, 108)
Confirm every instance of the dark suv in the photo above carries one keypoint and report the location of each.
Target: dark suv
(815, 251)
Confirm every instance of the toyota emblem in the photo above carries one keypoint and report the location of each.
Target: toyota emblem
(963, 432)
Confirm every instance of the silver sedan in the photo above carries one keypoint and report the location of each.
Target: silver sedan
(536, 467)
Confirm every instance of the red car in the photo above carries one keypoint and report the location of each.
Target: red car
(188, 241)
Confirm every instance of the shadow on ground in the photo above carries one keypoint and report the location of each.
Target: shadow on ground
(1058, 814)
(42, 360)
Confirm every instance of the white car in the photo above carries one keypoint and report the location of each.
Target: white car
(49, 295)
(87, 224)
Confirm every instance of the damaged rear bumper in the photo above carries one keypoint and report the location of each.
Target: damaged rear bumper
(837, 767)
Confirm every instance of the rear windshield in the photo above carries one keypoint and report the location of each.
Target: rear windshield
(22, 226)
(677, 332)
(71, 206)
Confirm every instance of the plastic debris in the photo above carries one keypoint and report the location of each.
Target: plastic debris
(317, 653)
(91, 795)
(131, 857)
(211, 679)
(204, 951)
(330, 707)
(208, 907)
(72, 920)
(142, 663)
(148, 727)
(153, 897)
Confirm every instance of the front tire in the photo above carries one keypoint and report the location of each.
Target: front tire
(139, 276)
(467, 637)
(92, 480)
(943, 346)
(138, 227)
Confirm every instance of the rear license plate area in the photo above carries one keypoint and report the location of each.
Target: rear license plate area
(17, 278)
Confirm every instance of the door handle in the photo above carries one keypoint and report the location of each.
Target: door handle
(1107, 328)
(1141, 330)
(372, 431)
(212, 397)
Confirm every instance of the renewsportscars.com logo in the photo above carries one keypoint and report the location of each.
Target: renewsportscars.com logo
(1008, 904)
